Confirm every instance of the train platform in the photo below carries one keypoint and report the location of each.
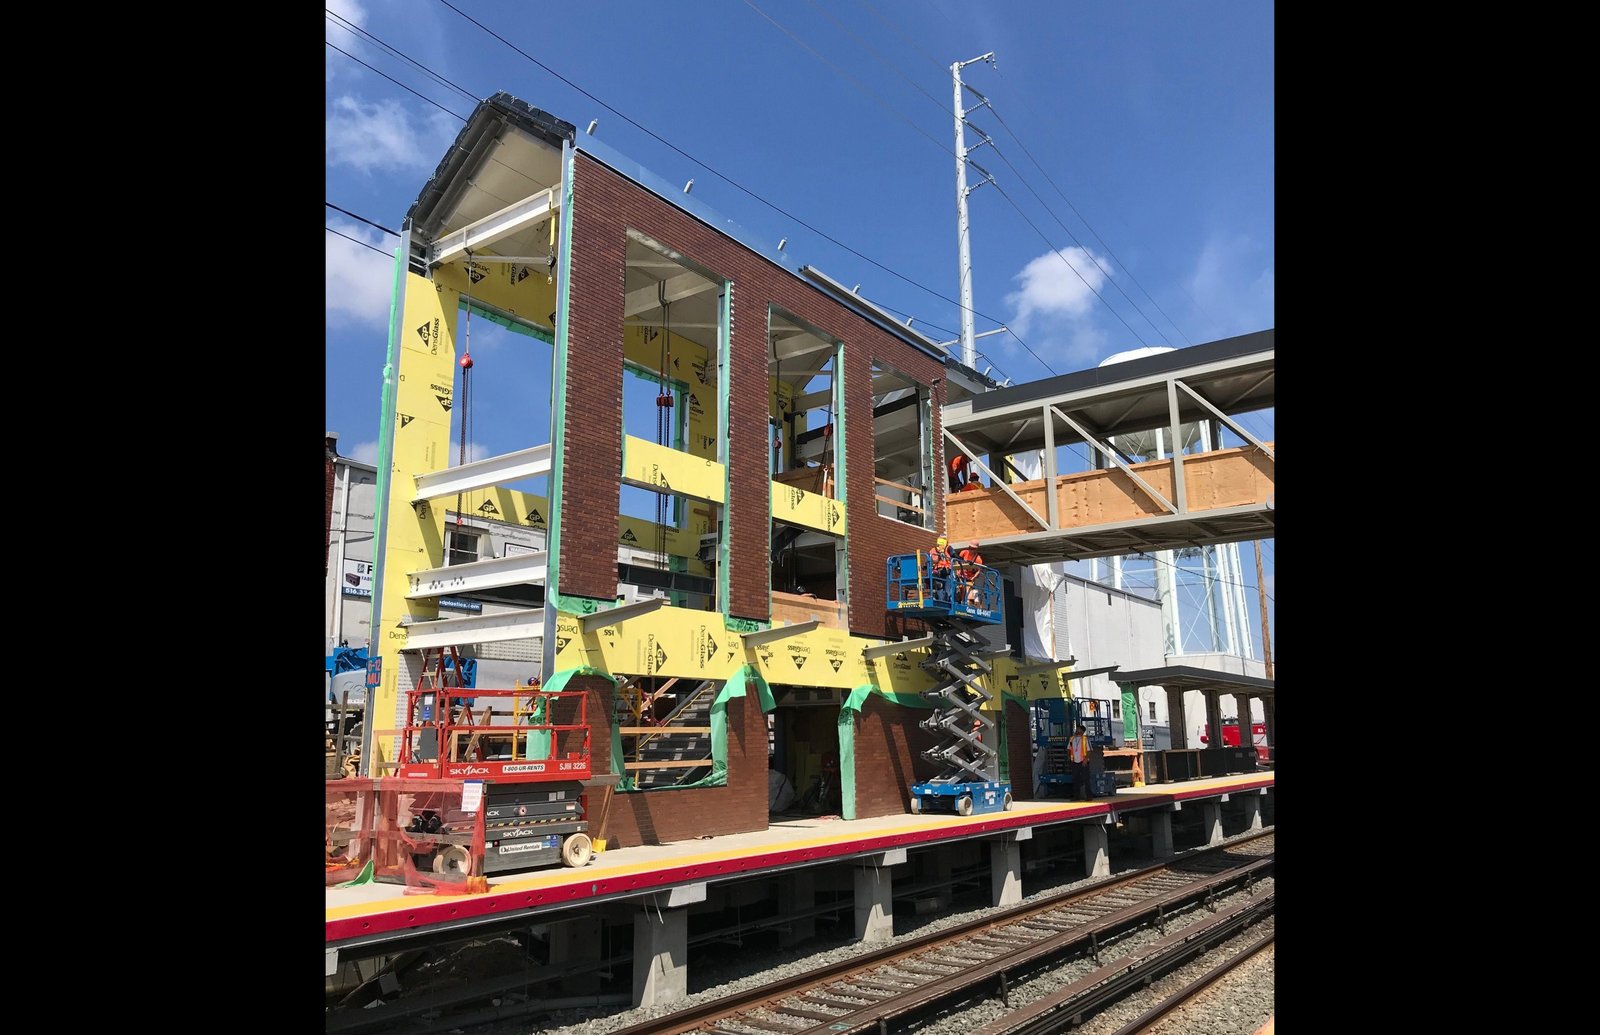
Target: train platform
(370, 914)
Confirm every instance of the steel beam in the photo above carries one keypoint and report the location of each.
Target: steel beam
(484, 474)
(782, 632)
(515, 570)
(684, 285)
(1051, 507)
(1048, 666)
(995, 479)
(601, 619)
(449, 632)
(871, 653)
(1113, 455)
(495, 226)
(1224, 418)
(1177, 449)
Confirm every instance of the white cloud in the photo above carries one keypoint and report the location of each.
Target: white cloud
(349, 10)
(474, 452)
(339, 35)
(366, 453)
(358, 281)
(1051, 288)
(383, 135)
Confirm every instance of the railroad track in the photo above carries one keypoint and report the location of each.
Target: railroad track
(911, 978)
(1151, 1017)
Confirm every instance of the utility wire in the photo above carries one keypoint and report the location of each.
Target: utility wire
(351, 27)
(397, 82)
(362, 243)
(883, 60)
(1018, 173)
(363, 219)
(846, 75)
(739, 186)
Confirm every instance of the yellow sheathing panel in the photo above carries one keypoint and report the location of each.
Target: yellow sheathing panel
(522, 290)
(424, 396)
(650, 466)
(799, 507)
(511, 507)
(689, 644)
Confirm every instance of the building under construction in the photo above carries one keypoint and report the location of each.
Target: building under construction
(767, 616)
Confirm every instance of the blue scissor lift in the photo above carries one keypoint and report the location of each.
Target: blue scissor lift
(954, 605)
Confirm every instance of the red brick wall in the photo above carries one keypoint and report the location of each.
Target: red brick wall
(659, 817)
(1019, 749)
(889, 746)
(327, 507)
(605, 207)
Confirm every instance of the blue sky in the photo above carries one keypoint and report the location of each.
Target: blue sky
(1155, 120)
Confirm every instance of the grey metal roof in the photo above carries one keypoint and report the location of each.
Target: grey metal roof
(1205, 680)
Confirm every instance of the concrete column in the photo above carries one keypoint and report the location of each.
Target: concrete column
(1267, 717)
(1161, 833)
(572, 942)
(799, 893)
(875, 895)
(1177, 721)
(1211, 822)
(1252, 810)
(1096, 860)
(661, 946)
(1005, 866)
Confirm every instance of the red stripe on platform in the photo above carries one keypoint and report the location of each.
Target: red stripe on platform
(420, 916)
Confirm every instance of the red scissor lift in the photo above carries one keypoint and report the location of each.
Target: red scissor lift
(530, 749)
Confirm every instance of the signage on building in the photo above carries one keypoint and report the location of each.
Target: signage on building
(357, 580)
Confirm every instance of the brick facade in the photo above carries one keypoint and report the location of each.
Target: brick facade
(889, 746)
(329, 452)
(1019, 750)
(605, 207)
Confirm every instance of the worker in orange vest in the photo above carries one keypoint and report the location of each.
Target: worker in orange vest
(1078, 754)
(972, 574)
(958, 472)
(939, 563)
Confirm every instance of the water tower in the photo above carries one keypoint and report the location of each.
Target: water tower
(1201, 589)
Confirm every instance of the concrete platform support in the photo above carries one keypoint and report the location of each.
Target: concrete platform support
(1211, 822)
(875, 895)
(1005, 872)
(1161, 834)
(1096, 860)
(661, 946)
(576, 942)
(797, 892)
(1252, 811)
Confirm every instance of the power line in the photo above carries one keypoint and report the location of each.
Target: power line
(1002, 156)
(846, 75)
(396, 82)
(883, 60)
(363, 219)
(350, 26)
(737, 185)
(1185, 290)
(1001, 119)
(903, 36)
(362, 243)
(1063, 258)
(1017, 172)
(872, 93)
